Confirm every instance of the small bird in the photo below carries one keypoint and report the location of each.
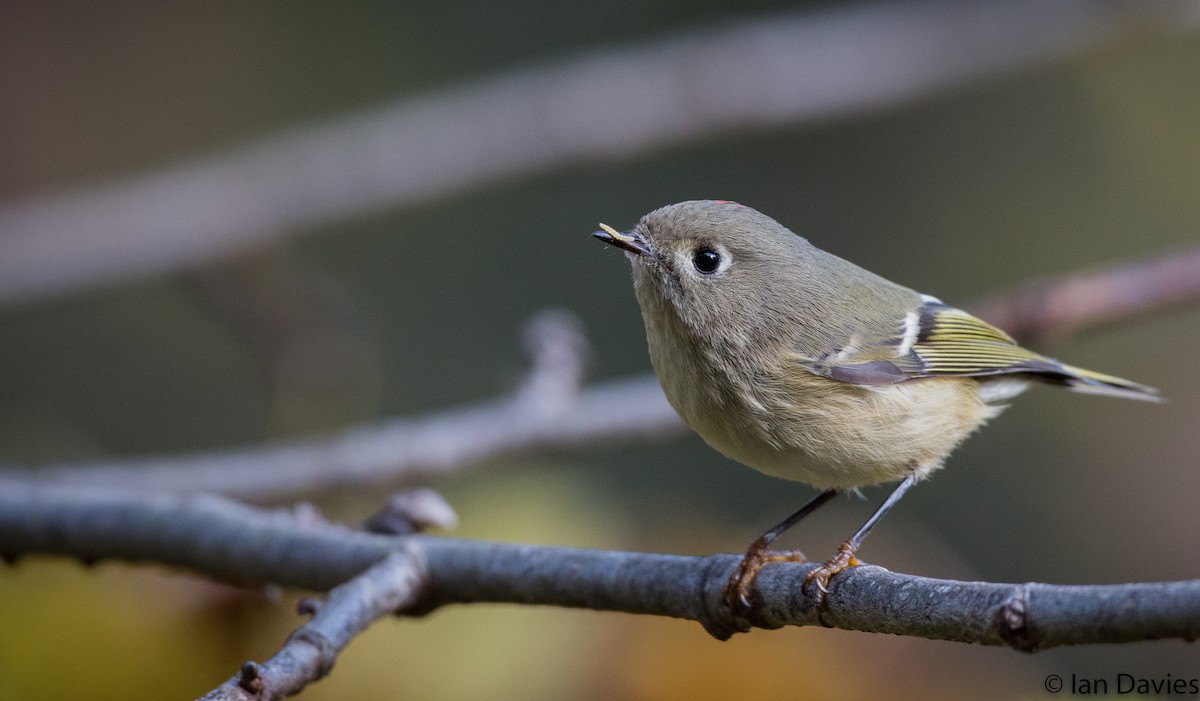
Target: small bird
(805, 366)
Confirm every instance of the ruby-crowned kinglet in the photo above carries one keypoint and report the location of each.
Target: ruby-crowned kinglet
(804, 366)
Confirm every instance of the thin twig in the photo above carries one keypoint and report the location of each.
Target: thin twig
(309, 653)
(251, 546)
(807, 66)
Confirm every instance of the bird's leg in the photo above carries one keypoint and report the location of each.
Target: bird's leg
(737, 591)
(845, 556)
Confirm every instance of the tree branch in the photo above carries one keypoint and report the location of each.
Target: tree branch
(549, 411)
(242, 544)
(687, 86)
(1061, 306)
(309, 653)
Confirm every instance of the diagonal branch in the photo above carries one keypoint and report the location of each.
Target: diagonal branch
(686, 86)
(239, 543)
(309, 653)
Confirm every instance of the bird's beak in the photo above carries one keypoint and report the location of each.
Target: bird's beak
(632, 242)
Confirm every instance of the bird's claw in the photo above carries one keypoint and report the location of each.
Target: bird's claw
(820, 577)
(737, 591)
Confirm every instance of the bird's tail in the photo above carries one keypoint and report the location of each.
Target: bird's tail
(1090, 382)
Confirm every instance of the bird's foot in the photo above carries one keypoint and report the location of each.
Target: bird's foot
(737, 591)
(844, 559)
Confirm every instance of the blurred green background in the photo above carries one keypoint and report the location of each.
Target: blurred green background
(1046, 169)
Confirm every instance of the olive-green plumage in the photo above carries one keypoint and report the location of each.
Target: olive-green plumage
(805, 366)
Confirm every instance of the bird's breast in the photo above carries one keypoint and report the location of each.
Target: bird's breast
(791, 423)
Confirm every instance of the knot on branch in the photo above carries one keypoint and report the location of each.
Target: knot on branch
(308, 606)
(713, 611)
(250, 678)
(412, 511)
(326, 649)
(1012, 620)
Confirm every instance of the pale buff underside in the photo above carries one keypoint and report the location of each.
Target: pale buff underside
(800, 426)
(896, 430)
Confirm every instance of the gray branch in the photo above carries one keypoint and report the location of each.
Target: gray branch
(246, 545)
(395, 450)
(686, 86)
(388, 586)
(1057, 307)
(550, 411)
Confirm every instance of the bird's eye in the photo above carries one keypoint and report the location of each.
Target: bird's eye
(706, 260)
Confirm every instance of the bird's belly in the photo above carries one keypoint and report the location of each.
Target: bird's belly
(794, 424)
(841, 436)
(801, 465)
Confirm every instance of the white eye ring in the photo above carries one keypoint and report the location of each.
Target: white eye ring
(709, 260)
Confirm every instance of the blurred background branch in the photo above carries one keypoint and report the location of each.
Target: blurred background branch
(1056, 307)
(607, 104)
(549, 411)
(552, 411)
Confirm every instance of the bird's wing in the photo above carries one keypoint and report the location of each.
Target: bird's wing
(938, 340)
